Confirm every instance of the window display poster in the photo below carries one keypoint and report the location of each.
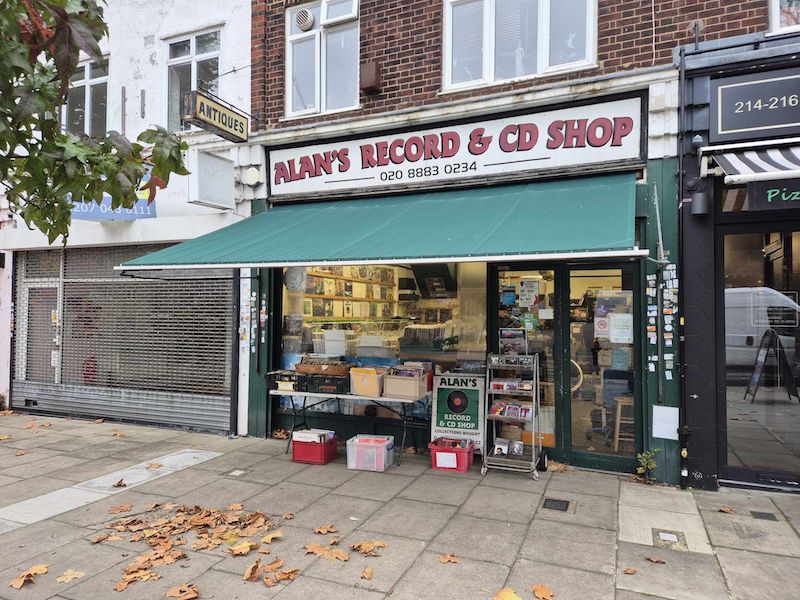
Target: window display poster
(513, 341)
(528, 292)
(458, 407)
(602, 328)
(621, 328)
(508, 296)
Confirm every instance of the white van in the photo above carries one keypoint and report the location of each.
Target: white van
(749, 313)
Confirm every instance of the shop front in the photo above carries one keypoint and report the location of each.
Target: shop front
(521, 234)
(741, 249)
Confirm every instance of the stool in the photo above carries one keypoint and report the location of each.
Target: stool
(620, 420)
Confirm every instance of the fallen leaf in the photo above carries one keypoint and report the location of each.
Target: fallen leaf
(368, 548)
(656, 560)
(20, 453)
(727, 510)
(154, 466)
(264, 549)
(288, 516)
(99, 421)
(115, 510)
(333, 542)
(120, 484)
(236, 506)
(28, 576)
(46, 425)
(290, 574)
(187, 591)
(100, 538)
(326, 529)
(114, 538)
(253, 571)
(4, 437)
(506, 594)
(629, 571)
(367, 573)
(270, 581)
(69, 575)
(542, 592)
(243, 548)
(274, 565)
(6, 413)
(327, 552)
(31, 426)
(116, 434)
(153, 506)
(272, 536)
(448, 558)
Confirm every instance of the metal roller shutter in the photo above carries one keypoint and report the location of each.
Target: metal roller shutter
(151, 351)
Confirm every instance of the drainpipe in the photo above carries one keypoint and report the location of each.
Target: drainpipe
(683, 428)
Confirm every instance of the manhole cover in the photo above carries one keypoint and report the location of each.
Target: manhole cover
(553, 504)
(763, 516)
(674, 540)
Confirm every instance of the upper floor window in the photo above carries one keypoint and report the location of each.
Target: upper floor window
(322, 57)
(488, 41)
(785, 15)
(87, 102)
(192, 64)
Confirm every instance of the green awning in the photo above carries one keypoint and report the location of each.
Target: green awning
(577, 217)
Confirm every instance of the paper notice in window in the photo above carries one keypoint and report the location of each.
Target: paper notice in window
(621, 328)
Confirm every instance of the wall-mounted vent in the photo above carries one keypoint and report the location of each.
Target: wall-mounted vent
(149, 40)
(304, 19)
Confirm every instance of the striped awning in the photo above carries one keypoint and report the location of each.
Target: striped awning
(762, 164)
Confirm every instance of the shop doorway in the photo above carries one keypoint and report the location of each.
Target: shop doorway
(758, 323)
(582, 321)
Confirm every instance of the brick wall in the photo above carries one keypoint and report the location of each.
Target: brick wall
(405, 37)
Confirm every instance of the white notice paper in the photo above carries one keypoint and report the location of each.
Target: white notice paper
(665, 422)
(528, 291)
(446, 460)
(621, 328)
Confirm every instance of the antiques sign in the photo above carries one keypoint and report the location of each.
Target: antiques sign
(458, 408)
(215, 116)
(755, 106)
(524, 144)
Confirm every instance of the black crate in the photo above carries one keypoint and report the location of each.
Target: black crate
(328, 384)
(299, 379)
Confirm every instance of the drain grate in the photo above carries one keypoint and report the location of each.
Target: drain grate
(553, 504)
(763, 516)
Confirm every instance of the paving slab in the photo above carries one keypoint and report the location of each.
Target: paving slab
(394, 560)
(746, 533)
(5, 480)
(29, 488)
(585, 482)
(147, 452)
(442, 490)
(741, 501)
(589, 510)
(306, 588)
(331, 475)
(238, 459)
(466, 580)
(43, 466)
(403, 517)
(101, 586)
(96, 515)
(657, 497)
(109, 448)
(285, 497)
(178, 483)
(9, 460)
(789, 505)
(374, 486)
(684, 574)
(413, 466)
(636, 525)
(507, 505)
(72, 443)
(27, 542)
(587, 548)
(480, 539)
(473, 473)
(516, 481)
(49, 505)
(230, 586)
(79, 555)
(35, 438)
(343, 511)
(270, 471)
(219, 493)
(753, 576)
(566, 583)
(93, 468)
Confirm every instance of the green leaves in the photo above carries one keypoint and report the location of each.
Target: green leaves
(43, 167)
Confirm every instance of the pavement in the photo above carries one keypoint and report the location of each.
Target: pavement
(615, 538)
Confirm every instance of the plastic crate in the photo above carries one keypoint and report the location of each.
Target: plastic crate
(448, 455)
(363, 382)
(370, 452)
(313, 453)
(328, 384)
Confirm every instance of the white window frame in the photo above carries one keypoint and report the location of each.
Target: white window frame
(87, 82)
(192, 58)
(543, 46)
(775, 19)
(320, 73)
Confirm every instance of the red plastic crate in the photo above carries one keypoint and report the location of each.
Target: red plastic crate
(442, 447)
(313, 453)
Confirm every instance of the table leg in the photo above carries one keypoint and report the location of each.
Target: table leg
(302, 423)
(404, 417)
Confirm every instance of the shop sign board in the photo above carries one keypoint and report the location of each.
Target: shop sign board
(755, 106)
(458, 408)
(143, 208)
(774, 195)
(507, 147)
(213, 115)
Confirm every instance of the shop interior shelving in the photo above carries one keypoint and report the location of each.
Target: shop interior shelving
(527, 369)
